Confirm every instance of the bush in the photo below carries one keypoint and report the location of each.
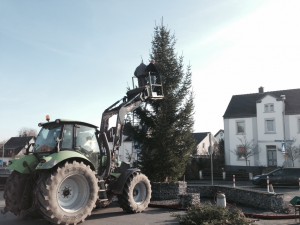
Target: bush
(208, 214)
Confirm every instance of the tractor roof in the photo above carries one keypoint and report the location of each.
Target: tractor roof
(64, 121)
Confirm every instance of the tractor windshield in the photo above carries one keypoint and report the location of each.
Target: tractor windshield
(46, 140)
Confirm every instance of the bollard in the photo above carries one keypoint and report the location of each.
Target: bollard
(200, 174)
(221, 200)
(250, 176)
(233, 179)
(224, 175)
(268, 184)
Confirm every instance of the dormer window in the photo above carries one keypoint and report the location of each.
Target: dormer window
(269, 107)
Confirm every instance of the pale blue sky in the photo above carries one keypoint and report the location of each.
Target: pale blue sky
(72, 59)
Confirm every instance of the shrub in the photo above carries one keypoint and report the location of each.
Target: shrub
(208, 214)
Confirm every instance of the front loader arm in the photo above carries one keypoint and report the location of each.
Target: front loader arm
(121, 108)
(134, 99)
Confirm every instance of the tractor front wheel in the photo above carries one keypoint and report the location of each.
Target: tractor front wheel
(136, 194)
(68, 195)
(18, 195)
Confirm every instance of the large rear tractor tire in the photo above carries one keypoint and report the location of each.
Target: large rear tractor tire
(18, 195)
(69, 194)
(136, 193)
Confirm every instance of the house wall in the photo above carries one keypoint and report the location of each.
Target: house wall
(227, 142)
(292, 132)
(293, 129)
(233, 140)
(219, 136)
(268, 138)
(5, 160)
(255, 129)
(202, 147)
(23, 150)
(127, 153)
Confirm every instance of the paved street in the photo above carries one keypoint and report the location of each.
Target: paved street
(112, 215)
(115, 216)
(156, 216)
(109, 216)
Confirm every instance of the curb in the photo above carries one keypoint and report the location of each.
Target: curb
(175, 206)
(248, 215)
(271, 217)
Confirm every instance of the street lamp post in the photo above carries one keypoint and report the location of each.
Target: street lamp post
(283, 124)
(211, 151)
(3, 154)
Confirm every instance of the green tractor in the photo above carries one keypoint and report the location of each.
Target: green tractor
(72, 168)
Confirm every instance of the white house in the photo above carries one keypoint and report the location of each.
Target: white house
(219, 135)
(270, 120)
(128, 151)
(204, 140)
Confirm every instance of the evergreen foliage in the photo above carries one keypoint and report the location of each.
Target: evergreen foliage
(166, 137)
(208, 214)
(219, 155)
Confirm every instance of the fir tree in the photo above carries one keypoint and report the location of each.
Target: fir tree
(167, 139)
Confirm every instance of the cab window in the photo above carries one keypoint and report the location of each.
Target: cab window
(67, 137)
(47, 138)
(86, 139)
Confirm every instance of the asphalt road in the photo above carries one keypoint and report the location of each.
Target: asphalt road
(114, 215)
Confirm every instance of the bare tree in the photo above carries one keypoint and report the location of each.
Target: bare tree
(246, 149)
(25, 132)
(292, 152)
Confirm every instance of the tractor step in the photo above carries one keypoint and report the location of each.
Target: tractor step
(102, 190)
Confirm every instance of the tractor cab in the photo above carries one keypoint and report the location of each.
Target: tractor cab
(63, 135)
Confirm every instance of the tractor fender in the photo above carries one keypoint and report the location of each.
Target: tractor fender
(24, 165)
(50, 161)
(117, 187)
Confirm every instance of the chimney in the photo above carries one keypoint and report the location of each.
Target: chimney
(261, 90)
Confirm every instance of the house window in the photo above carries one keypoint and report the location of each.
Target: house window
(240, 127)
(270, 125)
(271, 155)
(269, 107)
(241, 151)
